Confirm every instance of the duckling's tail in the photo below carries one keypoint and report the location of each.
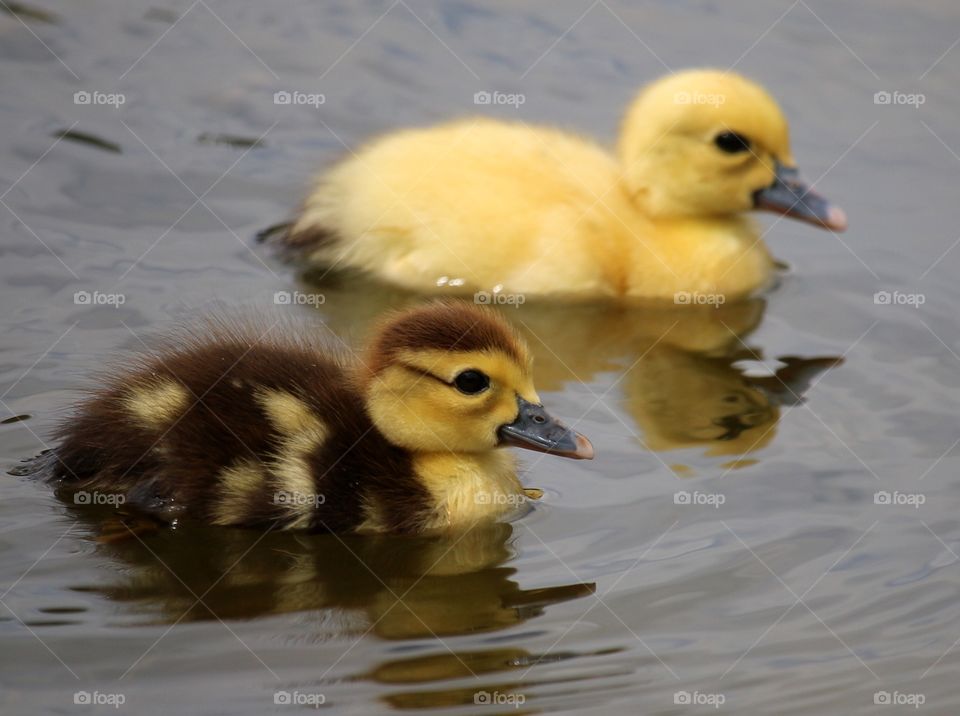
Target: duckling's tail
(272, 230)
(294, 241)
(41, 467)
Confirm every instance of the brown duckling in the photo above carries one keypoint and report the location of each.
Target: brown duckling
(234, 424)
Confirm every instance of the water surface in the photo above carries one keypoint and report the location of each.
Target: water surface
(797, 595)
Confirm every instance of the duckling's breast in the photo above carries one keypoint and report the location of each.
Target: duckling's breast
(693, 259)
(468, 488)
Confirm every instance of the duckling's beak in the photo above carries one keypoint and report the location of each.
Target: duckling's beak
(790, 196)
(534, 429)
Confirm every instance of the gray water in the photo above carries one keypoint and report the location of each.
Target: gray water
(799, 594)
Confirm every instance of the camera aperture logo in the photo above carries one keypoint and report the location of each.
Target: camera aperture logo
(499, 498)
(914, 99)
(298, 698)
(511, 99)
(712, 499)
(897, 698)
(96, 298)
(96, 98)
(298, 298)
(698, 698)
(698, 298)
(310, 99)
(114, 499)
(486, 298)
(708, 98)
(298, 499)
(899, 499)
(899, 298)
(99, 698)
(498, 698)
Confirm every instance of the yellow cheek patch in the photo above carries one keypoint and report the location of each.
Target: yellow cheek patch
(411, 403)
(238, 484)
(302, 432)
(157, 404)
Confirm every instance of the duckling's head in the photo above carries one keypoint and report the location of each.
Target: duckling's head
(453, 377)
(713, 143)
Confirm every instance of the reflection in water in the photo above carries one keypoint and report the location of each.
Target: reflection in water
(398, 588)
(680, 366)
(512, 662)
(682, 399)
(685, 378)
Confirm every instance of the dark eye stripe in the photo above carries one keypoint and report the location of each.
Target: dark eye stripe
(468, 386)
(731, 142)
(422, 373)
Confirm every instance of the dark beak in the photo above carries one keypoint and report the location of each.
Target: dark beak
(534, 429)
(790, 196)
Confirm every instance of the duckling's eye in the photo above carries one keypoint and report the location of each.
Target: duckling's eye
(471, 382)
(731, 142)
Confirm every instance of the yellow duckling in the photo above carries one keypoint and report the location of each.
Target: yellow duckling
(233, 425)
(479, 204)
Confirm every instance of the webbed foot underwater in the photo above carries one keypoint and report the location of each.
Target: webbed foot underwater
(245, 424)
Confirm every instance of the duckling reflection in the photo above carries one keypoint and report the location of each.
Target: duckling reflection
(395, 587)
(500, 663)
(681, 378)
(681, 399)
(439, 667)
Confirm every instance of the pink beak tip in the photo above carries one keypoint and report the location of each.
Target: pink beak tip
(836, 219)
(584, 448)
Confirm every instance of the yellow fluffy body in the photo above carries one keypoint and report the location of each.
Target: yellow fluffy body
(479, 204)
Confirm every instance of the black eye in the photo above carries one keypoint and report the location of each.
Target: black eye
(731, 142)
(471, 382)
